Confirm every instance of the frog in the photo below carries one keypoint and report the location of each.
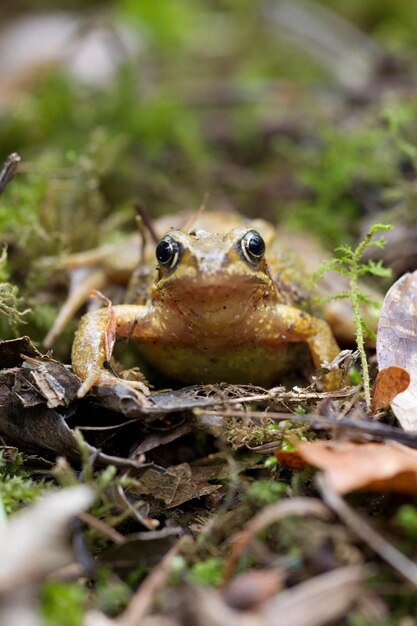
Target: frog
(225, 303)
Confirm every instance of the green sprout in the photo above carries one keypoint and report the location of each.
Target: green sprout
(349, 263)
(9, 295)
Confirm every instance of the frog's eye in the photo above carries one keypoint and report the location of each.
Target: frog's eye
(168, 252)
(252, 246)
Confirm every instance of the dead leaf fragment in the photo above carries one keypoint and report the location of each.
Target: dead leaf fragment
(175, 485)
(388, 384)
(291, 459)
(397, 344)
(369, 466)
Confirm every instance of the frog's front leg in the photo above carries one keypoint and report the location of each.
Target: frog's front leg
(289, 324)
(93, 341)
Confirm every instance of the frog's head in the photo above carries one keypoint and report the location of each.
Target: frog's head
(201, 269)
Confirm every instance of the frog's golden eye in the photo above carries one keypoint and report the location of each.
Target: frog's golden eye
(253, 247)
(168, 252)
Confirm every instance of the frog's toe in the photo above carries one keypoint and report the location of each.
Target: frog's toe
(97, 377)
(135, 384)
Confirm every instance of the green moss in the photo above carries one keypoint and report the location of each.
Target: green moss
(263, 492)
(112, 594)
(17, 488)
(406, 518)
(63, 603)
(333, 168)
(208, 572)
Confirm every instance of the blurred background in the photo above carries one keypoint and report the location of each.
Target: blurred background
(300, 111)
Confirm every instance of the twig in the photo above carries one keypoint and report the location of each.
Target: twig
(270, 515)
(143, 598)
(9, 170)
(102, 528)
(296, 396)
(397, 560)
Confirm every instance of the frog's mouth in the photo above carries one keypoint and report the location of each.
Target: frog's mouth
(215, 285)
(235, 294)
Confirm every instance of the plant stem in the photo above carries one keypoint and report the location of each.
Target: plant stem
(357, 318)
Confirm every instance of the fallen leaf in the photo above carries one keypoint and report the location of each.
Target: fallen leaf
(144, 548)
(389, 382)
(175, 485)
(12, 351)
(364, 466)
(160, 438)
(291, 459)
(397, 344)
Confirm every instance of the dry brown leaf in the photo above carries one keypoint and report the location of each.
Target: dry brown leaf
(388, 384)
(291, 459)
(369, 466)
(397, 344)
(175, 485)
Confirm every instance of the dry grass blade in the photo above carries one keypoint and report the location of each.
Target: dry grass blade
(397, 560)
(101, 527)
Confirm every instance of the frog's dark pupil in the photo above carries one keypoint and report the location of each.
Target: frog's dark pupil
(256, 245)
(164, 251)
(252, 247)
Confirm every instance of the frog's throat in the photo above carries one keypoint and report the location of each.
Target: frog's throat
(213, 307)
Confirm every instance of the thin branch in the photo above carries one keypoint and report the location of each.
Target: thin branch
(361, 528)
(102, 528)
(270, 515)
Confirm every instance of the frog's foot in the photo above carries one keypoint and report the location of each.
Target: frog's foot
(134, 374)
(97, 377)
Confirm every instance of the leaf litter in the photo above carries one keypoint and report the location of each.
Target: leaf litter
(167, 486)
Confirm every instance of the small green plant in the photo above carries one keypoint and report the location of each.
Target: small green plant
(208, 572)
(9, 295)
(349, 263)
(17, 488)
(264, 491)
(63, 603)
(406, 518)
